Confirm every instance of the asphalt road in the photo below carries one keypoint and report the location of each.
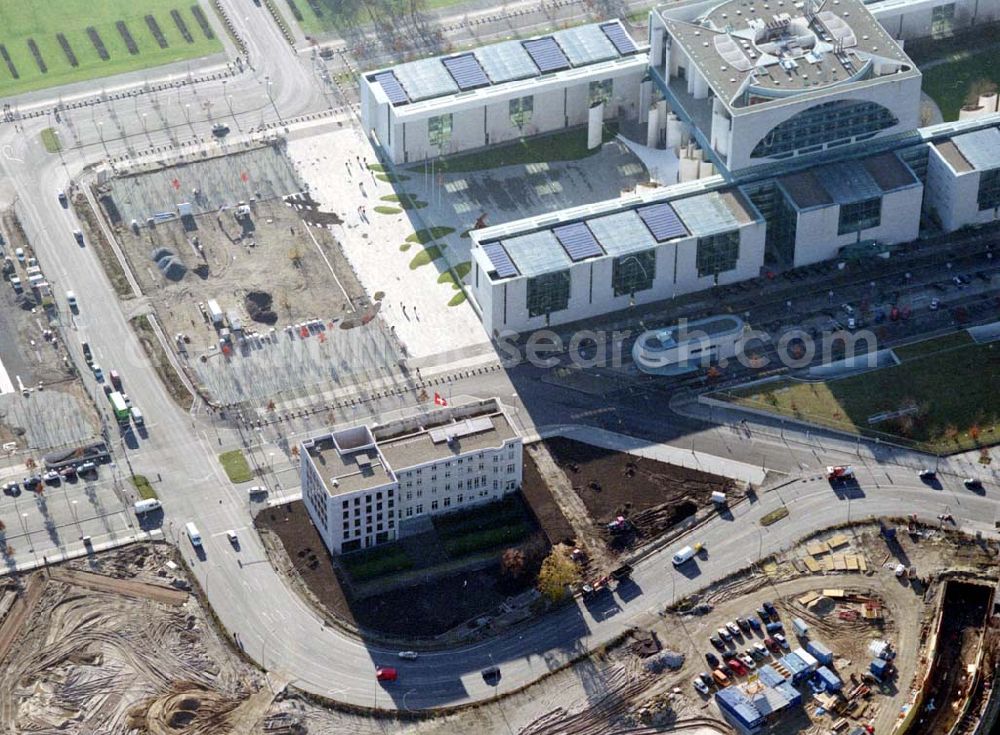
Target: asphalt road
(275, 627)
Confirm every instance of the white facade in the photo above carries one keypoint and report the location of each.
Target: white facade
(908, 19)
(359, 484)
(953, 187)
(421, 124)
(504, 301)
(759, 83)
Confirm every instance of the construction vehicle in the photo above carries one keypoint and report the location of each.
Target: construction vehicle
(840, 473)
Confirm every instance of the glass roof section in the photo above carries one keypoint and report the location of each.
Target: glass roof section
(705, 214)
(505, 62)
(537, 253)
(621, 233)
(849, 181)
(425, 79)
(585, 45)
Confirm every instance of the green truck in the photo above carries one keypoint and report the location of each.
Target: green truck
(119, 406)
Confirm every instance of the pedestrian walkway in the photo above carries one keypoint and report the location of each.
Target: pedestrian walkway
(722, 466)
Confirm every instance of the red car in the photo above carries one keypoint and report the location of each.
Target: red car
(772, 644)
(386, 673)
(737, 666)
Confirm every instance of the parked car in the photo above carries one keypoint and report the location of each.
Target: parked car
(781, 641)
(973, 483)
(760, 650)
(754, 623)
(700, 686)
(748, 661)
(12, 488)
(386, 673)
(840, 473)
(764, 615)
(744, 624)
(717, 642)
(736, 666)
(705, 677)
(733, 628)
(51, 477)
(98, 372)
(720, 678)
(772, 645)
(771, 609)
(71, 300)
(231, 535)
(927, 475)
(61, 196)
(78, 235)
(408, 655)
(724, 635)
(710, 657)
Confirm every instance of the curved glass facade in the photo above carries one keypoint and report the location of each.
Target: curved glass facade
(840, 120)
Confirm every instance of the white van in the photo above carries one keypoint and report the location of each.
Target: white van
(145, 506)
(256, 490)
(192, 532)
(137, 416)
(684, 555)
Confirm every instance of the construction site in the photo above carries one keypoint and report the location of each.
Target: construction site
(117, 643)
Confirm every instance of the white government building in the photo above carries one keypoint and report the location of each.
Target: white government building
(795, 125)
(361, 483)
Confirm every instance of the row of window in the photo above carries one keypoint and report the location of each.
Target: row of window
(859, 216)
(840, 120)
(519, 110)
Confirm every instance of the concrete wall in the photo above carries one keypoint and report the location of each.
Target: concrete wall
(954, 197)
(816, 237)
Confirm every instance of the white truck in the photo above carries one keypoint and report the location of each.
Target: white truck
(193, 534)
(214, 312)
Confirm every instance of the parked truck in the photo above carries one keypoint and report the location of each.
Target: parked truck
(119, 406)
(215, 313)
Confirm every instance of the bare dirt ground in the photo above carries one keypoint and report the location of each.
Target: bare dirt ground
(653, 495)
(272, 252)
(438, 594)
(539, 494)
(115, 643)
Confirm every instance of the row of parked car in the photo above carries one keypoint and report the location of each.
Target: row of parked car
(51, 477)
(732, 662)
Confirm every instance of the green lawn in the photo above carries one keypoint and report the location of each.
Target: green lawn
(570, 145)
(377, 562)
(954, 390)
(236, 467)
(41, 20)
(950, 84)
(142, 486)
(930, 346)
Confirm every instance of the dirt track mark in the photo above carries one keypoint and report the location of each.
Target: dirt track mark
(128, 588)
(22, 608)
(587, 534)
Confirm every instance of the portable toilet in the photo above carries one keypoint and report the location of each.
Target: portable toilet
(800, 627)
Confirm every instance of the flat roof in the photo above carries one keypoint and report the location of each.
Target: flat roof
(889, 172)
(950, 152)
(981, 148)
(849, 181)
(349, 472)
(805, 189)
(443, 76)
(757, 51)
(421, 447)
(544, 245)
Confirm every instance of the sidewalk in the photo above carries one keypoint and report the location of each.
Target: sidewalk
(736, 470)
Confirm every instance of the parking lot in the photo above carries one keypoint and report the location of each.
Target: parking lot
(54, 521)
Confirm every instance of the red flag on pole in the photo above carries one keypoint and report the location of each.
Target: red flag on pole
(439, 400)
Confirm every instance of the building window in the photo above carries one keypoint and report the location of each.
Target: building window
(942, 19)
(601, 91)
(634, 272)
(825, 123)
(420, 508)
(439, 130)
(459, 497)
(434, 505)
(718, 253)
(521, 110)
(447, 502)
(409, 512)
(860, 215)
(989, 189)
(548, 293)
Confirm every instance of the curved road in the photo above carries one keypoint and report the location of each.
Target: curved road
(275, 627)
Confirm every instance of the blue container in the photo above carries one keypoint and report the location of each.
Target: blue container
(879, 667)
(830, 680)
(823, 654)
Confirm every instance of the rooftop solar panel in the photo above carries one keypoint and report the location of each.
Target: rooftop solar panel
(618, 36)
(662, 221)
(505, 62)
(502, 263)
(391, 87)
(466, 72)
(578, 241)
(547, 55)
(585, 45)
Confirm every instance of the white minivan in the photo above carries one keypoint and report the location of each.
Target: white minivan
(193, 534)
(686, 554)
(145, 506)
